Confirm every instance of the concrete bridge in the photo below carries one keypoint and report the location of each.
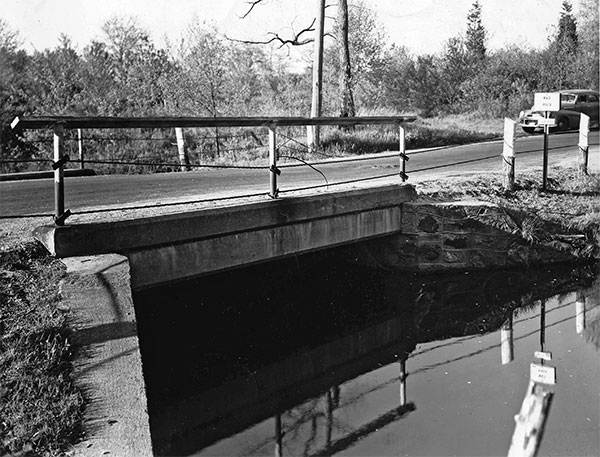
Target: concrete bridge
(169, 248)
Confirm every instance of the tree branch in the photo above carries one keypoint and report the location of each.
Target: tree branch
(294, 41)
(252, 4)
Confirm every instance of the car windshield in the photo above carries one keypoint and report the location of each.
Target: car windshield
(567, 98)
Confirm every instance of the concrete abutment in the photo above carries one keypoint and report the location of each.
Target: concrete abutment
(108, 365)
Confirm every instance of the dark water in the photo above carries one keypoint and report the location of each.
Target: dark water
(311, 357)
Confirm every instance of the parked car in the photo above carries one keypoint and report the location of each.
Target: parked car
(573, 102)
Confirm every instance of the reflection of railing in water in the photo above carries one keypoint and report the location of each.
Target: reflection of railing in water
(580, 312)
(276, 390)
(332, 397)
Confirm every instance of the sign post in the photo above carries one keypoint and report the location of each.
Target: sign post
(60, 158)
(508, 154)
(584, 129)
(546, 101)
(545, 162)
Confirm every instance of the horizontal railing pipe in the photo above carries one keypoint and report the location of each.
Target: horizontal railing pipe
(71, 122)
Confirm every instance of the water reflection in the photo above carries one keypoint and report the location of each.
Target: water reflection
(506, 341)
(580, 312)
(323, 359)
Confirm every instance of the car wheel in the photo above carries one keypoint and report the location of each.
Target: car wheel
(563, 124)
(528, 129)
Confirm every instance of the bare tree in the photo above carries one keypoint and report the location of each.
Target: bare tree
(297, 39)
(346, 96)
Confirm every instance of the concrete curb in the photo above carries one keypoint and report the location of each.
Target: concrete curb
(108, 365)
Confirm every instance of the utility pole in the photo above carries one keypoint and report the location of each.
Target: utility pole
(312, 132)
(347, 100)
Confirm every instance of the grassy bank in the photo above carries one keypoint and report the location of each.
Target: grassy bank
(418, 135)
(40, 409)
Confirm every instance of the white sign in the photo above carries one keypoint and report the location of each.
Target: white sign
(547, 121)
(509, 138)
(584, 128)
(546, 101)
(542, 374)
(543, 355)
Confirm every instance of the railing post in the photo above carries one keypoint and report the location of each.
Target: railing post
(273, 170)
(80, 144)
(59, 176)
(184, 160)
(508, 154)
(403, 156)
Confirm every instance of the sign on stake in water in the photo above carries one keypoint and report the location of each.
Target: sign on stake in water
(542, 374)
(543, 355)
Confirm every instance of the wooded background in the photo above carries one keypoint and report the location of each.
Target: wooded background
(208, 74)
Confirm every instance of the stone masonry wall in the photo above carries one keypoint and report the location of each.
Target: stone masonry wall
(463, 235)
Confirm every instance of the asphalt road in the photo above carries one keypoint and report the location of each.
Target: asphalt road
(118, 191)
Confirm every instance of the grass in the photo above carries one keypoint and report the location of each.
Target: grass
(473, 122)
(40, 407)
(420, 134)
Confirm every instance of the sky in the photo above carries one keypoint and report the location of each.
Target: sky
(421, 25)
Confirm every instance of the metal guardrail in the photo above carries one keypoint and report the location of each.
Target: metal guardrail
(73, 122)
(61, 123)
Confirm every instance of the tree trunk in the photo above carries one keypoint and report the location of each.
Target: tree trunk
(345, 83)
